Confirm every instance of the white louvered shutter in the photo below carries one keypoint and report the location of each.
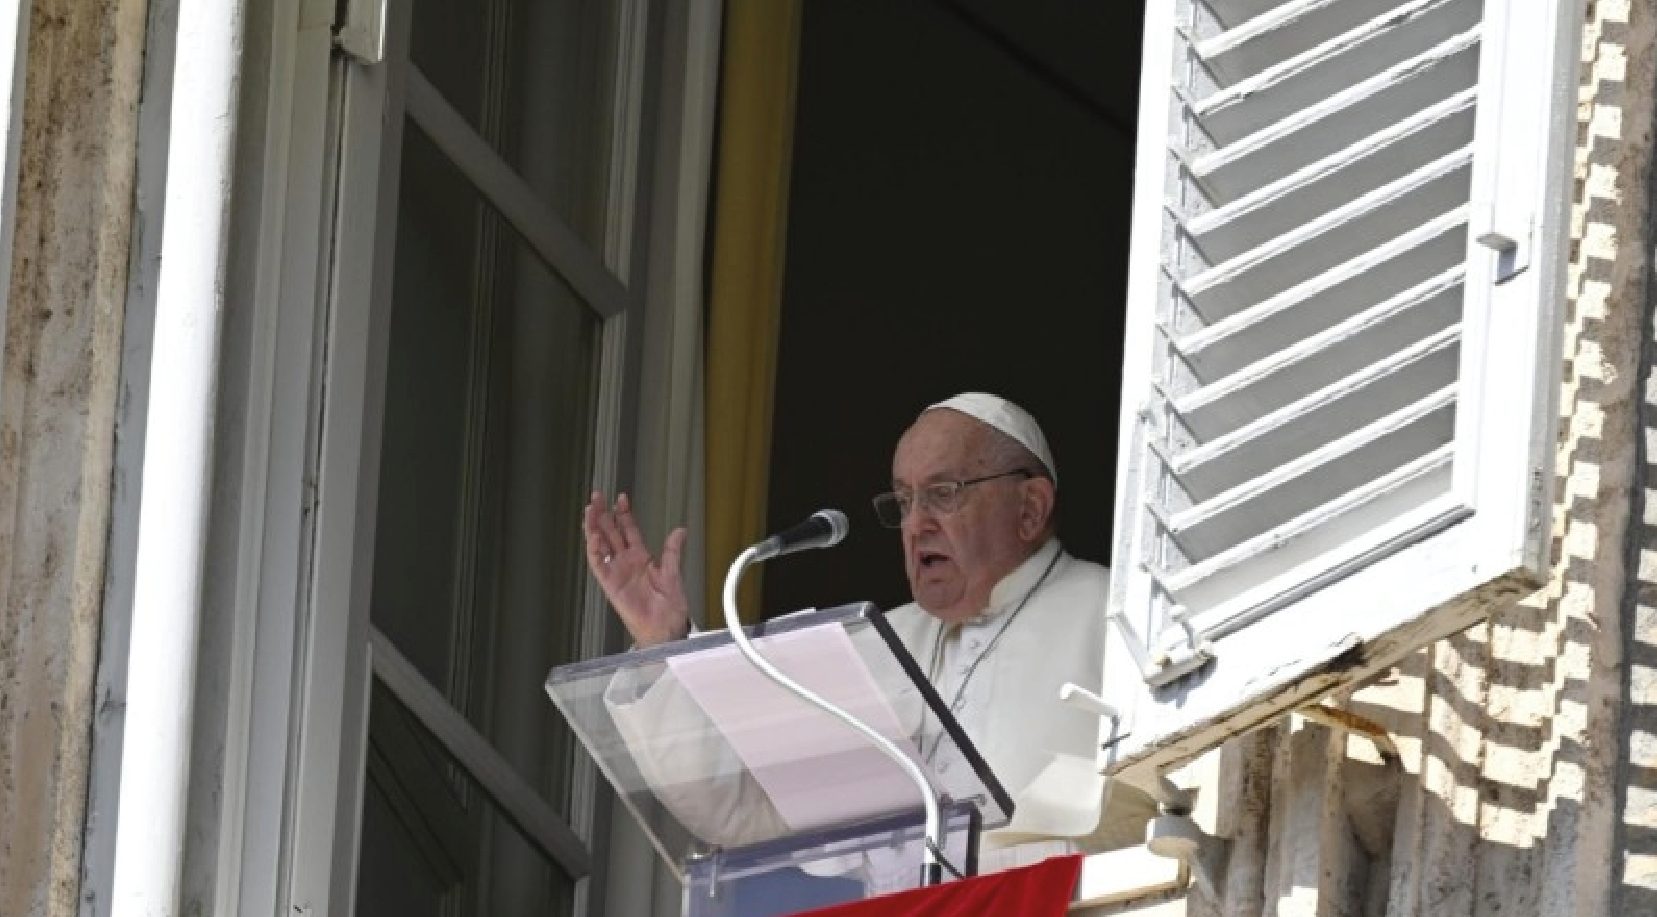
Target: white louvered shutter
(1341, 356)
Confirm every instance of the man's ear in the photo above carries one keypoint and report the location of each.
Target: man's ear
(1036, 507)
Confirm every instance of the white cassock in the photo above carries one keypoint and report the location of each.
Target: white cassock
(1000, 674)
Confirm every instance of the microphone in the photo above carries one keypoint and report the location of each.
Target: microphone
(827, 528)
(824, 529)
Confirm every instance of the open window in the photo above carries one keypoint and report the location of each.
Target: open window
(1346, 279)
(504, 187)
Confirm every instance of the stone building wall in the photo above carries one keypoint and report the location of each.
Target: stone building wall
(58, 394)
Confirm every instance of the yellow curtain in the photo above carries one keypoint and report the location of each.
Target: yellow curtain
(750, 221)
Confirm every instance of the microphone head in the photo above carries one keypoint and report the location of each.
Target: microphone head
(839, 525)
(822, 529)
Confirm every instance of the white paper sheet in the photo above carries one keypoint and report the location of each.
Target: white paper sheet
(817, 770)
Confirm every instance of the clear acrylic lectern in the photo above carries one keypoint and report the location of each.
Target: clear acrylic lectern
(761, 803)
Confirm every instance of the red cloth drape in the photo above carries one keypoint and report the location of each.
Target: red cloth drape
(1041, 890)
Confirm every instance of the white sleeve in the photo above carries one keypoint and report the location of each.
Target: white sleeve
(690, 768)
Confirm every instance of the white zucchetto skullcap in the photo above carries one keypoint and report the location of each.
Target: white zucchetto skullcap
(1007, 417)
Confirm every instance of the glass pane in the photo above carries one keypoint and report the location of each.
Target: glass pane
(486, 458)
(535, 78)
(433, 843)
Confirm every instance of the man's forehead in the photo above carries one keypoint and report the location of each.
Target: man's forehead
(939, 445)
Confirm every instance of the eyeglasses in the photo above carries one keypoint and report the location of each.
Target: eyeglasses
(941, 498)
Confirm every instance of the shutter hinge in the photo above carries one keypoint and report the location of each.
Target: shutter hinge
(360, 31)
(1175, 661)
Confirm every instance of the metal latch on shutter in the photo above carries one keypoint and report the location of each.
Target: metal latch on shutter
(360, 31)
(1510, 240)
(1177, 658)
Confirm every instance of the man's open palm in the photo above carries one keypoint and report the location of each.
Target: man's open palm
(646, 592)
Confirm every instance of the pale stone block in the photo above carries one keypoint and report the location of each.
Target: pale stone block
(1591, 301)
(1580, 541)
(1588, 421)
(1608, 121)
(1640, 870)
(1648, 556)
(1602, 182)
(1642, 743)
(1641, 806)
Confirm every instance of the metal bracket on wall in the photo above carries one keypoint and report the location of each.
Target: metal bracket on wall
(1347, 721)
(1173, 833)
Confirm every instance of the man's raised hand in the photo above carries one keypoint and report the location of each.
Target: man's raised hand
(645, 591)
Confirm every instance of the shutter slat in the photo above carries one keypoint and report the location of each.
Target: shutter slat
(1317, 188)
(1321, 358)
(1279, 320)
(1304, 79)
(1282, 32)
(1349, 403)
(1338, 121)
(1338, 236)
(1416, 498)
(1307, 478)
(1334, 528)
(1229, 14)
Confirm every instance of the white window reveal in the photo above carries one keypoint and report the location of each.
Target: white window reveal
(1347, 279)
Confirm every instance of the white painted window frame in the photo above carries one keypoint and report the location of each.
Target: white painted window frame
(341, 654)
(288, 188)
(294, 773)
(1486, 542)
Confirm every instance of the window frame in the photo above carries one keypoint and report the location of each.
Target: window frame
(284, 803)
(340, 655)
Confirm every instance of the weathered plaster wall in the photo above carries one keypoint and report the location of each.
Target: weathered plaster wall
(1525, 778)
(57, 398)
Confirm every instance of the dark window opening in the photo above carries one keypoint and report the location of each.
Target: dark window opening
(958, 220)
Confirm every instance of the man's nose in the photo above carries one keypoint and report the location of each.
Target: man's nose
(920, 518)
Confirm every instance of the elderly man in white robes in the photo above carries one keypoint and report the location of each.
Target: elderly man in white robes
(1002, 616)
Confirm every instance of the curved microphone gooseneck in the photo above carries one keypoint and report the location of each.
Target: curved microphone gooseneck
(825, 529)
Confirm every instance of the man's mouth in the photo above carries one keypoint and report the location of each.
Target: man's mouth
(930, 559)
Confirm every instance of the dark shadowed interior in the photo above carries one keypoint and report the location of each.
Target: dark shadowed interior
(959, 210)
